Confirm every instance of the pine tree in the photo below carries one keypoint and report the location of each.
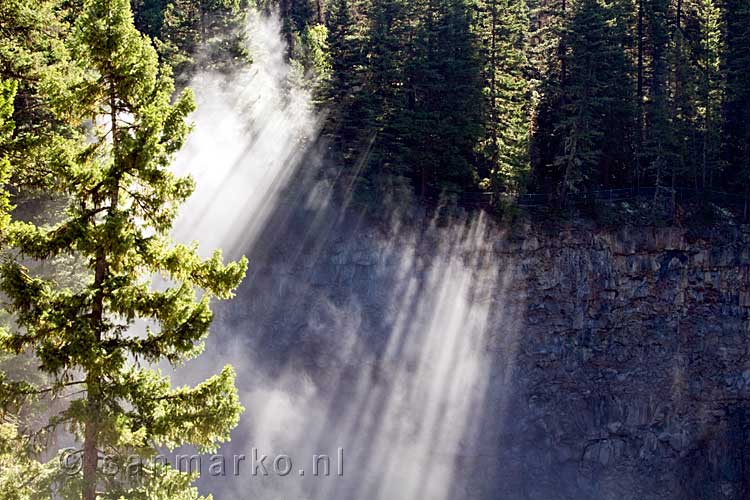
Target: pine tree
(736, 109)
(597, 96)
(34, 56)
(461, 104)
(658, 148)
(195, 34)
(640, 92)
(149, 15)
(348, 55)
(384, 94)
(180, 35)
(123, 200)
(297, 17)
(710, 95)
(547, 57)
(442, 124)
(503, 28)
(7, 125)
(683, 101)
(341, 29)
(621, 122)
(16, 463)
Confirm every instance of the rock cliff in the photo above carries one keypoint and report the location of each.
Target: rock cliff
(544, 362)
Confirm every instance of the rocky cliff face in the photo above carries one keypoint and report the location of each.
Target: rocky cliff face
(632, 368)
(559, 363)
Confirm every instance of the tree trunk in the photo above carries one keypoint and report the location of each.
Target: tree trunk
(90, 451)
(640, 96)
(706, 131)
(676, 105)
(93, 393)
(493, 99)
(563, 67)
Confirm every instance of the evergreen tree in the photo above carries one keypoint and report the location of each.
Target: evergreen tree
(384, 97)
(406, 90)
(597, 97)
(149, 15)
(181, 34)
(640, 92)
(736, 109)
(123, 200)
(194, 34)
(547, 56)
(620, 122)
(297, 16)
(34, 56)
(503, 29)
(7, 95)
(710, 94)
(343, 49)
(683, 103)
(659, 135)
(348, 54)
(16, 463)
(442, 123)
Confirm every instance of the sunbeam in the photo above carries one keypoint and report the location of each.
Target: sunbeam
(383, 349)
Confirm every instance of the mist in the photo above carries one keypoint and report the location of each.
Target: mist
(367, 341)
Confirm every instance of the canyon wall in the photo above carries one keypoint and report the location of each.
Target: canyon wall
(459, 359)
(632, 369)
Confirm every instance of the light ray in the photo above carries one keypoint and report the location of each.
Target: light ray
(368, 336)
